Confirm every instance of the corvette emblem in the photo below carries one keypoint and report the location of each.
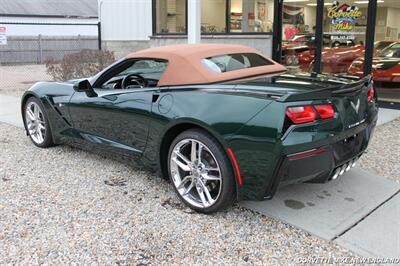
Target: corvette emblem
(356, 106)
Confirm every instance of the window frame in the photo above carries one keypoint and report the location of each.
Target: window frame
(227, 23)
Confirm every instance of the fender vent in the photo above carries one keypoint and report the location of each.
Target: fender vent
(61, 115)
(155, 97)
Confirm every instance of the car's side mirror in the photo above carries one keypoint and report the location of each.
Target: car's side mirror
(85, 86)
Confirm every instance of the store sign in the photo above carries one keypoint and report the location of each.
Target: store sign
(343, 16)
(3, 36)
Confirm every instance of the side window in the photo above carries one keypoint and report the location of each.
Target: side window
(134, 73)
(231, 62)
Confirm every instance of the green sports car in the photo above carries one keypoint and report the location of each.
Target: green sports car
(222, 122)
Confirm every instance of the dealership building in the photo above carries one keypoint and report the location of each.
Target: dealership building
(137, 24)
(332, 33)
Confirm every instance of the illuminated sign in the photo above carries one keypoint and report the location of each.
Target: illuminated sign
(343, 16)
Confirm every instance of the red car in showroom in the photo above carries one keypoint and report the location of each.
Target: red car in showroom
(336, 60)
(298, 44)
(385, 67)
(306, 43)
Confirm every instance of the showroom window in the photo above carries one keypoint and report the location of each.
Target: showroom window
(213, 16)
(251, 16)
(217, 16)
(170, 16)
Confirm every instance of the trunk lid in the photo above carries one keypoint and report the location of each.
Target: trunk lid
(352, 104)
(348, 94)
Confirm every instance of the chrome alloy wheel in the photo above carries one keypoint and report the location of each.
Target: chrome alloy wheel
(195, 173)
(35, 122)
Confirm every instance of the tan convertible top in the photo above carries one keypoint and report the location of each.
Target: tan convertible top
(185, 66)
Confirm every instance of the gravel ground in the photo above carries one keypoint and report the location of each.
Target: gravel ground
(16, 79)
(383, 153)
(66, 206)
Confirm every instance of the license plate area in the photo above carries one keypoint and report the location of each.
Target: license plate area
(349, 147)
(350, 140)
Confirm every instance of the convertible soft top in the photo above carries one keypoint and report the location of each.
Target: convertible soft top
(185, 66)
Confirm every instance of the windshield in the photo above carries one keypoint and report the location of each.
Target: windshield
(392, 51)
(146, 67)
(380, 45)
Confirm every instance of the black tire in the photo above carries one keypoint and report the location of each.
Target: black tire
(47, 136)
(227, 194)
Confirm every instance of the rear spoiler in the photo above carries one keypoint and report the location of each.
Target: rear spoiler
(329, 92)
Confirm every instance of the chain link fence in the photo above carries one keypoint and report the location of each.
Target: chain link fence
(39, 49)
(23, 59)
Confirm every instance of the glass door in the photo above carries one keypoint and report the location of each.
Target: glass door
(386, 63)
(346, 22)
(298, 34)
(345, 26)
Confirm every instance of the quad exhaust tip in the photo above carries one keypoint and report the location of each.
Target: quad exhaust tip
(344, 168)
(336, 174)
(348, 166)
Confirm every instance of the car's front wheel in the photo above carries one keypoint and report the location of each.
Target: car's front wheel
(37, 124)
(200, 171)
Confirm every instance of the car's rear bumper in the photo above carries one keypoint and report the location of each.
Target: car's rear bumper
(320, 164)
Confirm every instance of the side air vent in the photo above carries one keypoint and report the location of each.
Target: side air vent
(62, 116)
(155, 97)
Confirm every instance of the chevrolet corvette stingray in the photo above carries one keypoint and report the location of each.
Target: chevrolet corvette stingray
(385, 67)
(222, 122)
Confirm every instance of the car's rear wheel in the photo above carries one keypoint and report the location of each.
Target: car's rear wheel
(37, 124)
(200, 171)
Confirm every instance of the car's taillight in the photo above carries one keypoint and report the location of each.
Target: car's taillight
(309, 113)
(301, 114)
(325, 111)
(371, 93)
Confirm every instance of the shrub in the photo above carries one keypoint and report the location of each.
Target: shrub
(79, 65)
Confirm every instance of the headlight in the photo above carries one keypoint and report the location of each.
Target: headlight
(292, 60)
(356, 64)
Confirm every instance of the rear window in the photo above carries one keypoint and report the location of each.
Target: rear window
(230, 62)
